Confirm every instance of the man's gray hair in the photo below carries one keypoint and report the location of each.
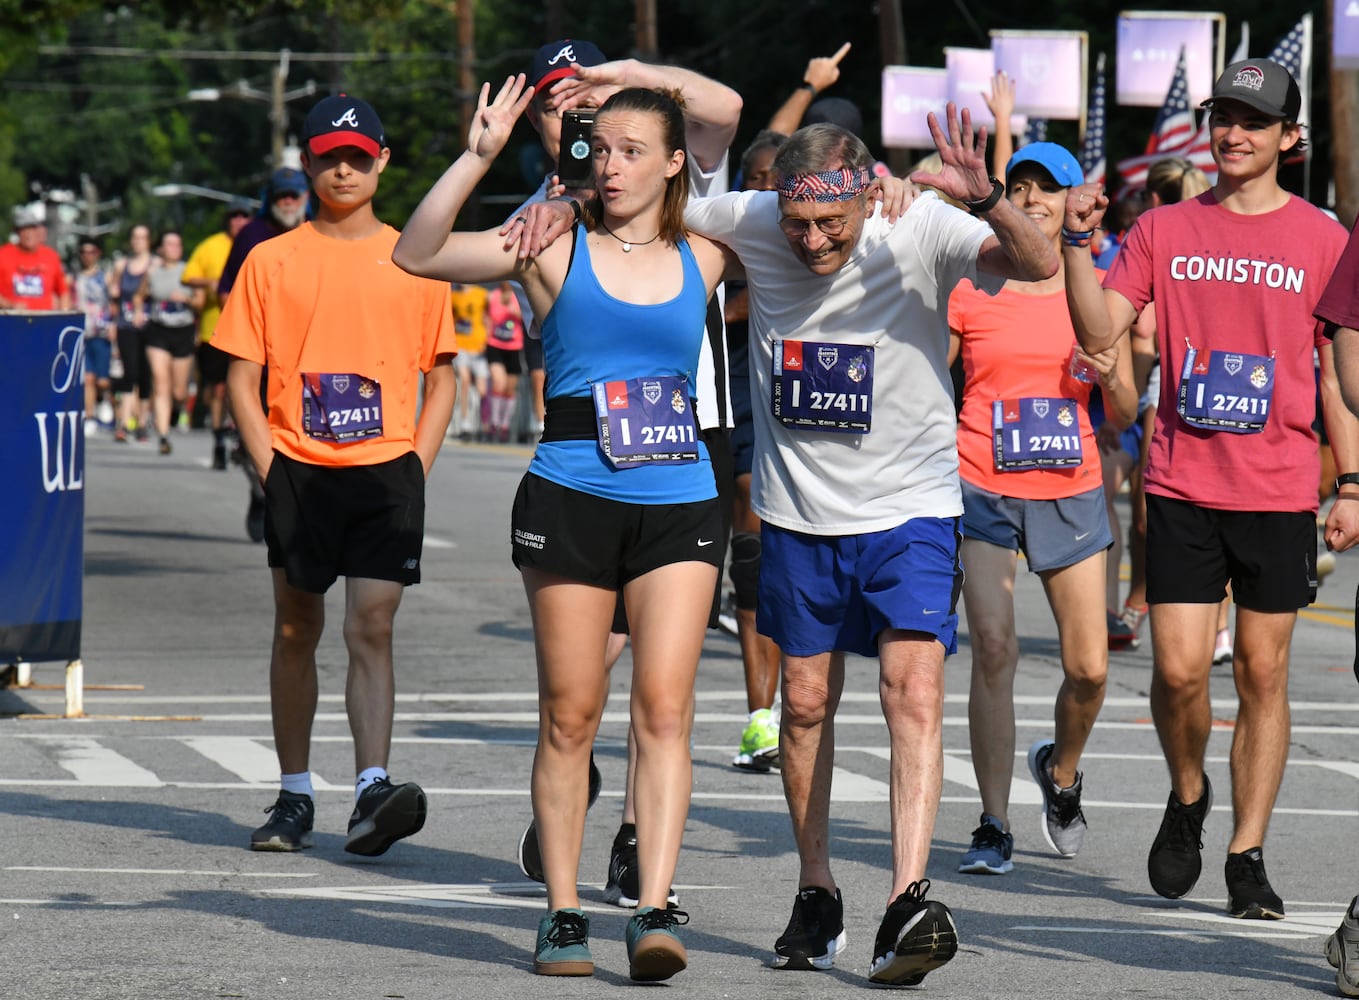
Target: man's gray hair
(821, 147)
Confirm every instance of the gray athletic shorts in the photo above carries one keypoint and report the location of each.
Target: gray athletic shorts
(1052, 534)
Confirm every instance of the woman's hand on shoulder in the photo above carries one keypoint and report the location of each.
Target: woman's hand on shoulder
(537, 227)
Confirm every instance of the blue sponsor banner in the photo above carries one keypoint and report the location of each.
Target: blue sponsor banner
(42, 503)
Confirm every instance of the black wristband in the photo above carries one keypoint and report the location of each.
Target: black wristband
(1346, 479)
(989, 202)
(575, 206)
(809, 88)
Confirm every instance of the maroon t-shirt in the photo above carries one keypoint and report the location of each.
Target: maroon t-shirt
(1238, 284)
(1339, 305)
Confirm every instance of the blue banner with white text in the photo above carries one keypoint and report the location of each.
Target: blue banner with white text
(42, 501)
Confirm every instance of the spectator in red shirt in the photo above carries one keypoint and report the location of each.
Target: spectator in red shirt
(31, 275)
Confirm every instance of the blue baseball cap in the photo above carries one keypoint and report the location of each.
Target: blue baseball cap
(1055, 159)
(287, 180)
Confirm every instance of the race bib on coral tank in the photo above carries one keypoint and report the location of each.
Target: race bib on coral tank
(1226, 391)
(341, 408)
(823, 386)
(1037, 432)
(646, 421)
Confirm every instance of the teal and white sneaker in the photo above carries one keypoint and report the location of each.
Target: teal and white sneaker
(759, 743)
(655, 951)
(563, 945)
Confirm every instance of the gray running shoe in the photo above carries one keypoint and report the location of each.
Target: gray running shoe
(1342, 951)
(1063, 821)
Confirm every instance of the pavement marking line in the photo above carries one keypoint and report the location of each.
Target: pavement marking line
(960, 772)
(1241, 931)
(246, 758)
(92, 763)
(503, 895)
(154, 871)
(434, 542)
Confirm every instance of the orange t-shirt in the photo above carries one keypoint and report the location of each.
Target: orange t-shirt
(469, 317)
(1016, 346)
(308, 303)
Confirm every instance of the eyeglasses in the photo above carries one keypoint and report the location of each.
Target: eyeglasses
(830, 228)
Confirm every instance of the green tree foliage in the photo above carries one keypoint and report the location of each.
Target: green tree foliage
(128, 124)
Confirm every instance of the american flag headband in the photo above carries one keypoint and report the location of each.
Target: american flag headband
(825, 185)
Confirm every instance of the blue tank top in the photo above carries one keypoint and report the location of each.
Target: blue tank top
(128, 283)
(589, 336)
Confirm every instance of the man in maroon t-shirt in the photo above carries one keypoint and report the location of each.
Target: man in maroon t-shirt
(1339, 309)
(1235, 274)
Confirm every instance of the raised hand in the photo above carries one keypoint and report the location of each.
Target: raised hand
(822, 72)
(1001, 100)
(591, 86)
(1085, 207)
(494, 119)
(964, 176)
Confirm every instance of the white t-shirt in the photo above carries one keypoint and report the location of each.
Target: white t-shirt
(712, 411)
(892, 293)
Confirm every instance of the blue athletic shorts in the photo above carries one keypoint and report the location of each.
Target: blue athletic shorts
(98, 356)
(821, 593)
(1130, 438)
(1051, 533)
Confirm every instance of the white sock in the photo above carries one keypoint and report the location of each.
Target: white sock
(366, 777)
(298, 784)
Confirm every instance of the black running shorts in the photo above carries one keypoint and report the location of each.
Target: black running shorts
(324, 522)
(1270, 557)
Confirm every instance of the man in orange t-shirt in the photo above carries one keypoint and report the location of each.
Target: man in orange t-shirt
(342, 455)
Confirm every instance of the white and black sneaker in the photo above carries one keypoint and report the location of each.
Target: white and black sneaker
(815, 932)
(1063, 821)
(384, 814)
(624, 883)
(915, 938)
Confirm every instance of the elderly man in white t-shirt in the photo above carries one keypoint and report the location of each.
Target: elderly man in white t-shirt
(856, 480)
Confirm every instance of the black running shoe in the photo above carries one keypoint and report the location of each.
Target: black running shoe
(1249, 894)
(219, 455)
(1175, 861)
(815, 932)
(915, 938)
(291, 818)
(529, 856)
(384, 814)
(623, 887)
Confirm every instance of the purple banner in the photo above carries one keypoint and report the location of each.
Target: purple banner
(1345, 36)
(969, 77)
(1148, 47)
(909, 93)
(1048, 69)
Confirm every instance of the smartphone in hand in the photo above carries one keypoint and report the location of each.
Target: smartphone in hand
(574, 167)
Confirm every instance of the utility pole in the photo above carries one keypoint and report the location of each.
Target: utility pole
(892, 43)
(1344, 107)
(648, 44)
(278, 115)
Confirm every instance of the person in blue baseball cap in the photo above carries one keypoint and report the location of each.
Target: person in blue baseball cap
(1032, 483)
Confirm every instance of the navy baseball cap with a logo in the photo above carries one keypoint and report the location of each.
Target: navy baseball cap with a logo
(553, 61)
(1263, 85)
(342, 120)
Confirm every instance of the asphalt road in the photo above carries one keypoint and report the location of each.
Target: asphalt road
(124, 871)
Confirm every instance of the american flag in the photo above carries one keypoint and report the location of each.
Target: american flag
(1035, 131)
(1294, 53)
(1092, 157)
(1173, 134)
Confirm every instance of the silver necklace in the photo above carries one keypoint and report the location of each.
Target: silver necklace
(627, 247)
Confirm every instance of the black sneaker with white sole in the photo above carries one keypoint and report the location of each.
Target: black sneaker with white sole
(291, 818)
(815, 932)
(624, 883)
(1249, 894)
(1176, 858)
(915, 938)
(384, 814)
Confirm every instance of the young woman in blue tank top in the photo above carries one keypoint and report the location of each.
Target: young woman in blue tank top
(620, 493)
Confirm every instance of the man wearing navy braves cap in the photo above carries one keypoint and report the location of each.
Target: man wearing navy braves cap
(1236, 274)
(342, 455)
(340, 121)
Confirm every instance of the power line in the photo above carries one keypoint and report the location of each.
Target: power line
(123, 52)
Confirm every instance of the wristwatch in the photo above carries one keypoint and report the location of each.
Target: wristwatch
(1346, 479)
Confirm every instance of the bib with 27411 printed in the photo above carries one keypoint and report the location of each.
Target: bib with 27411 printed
(823, 386)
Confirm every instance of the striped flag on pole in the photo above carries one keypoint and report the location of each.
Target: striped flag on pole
(1092, 157)
(1174, 134)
